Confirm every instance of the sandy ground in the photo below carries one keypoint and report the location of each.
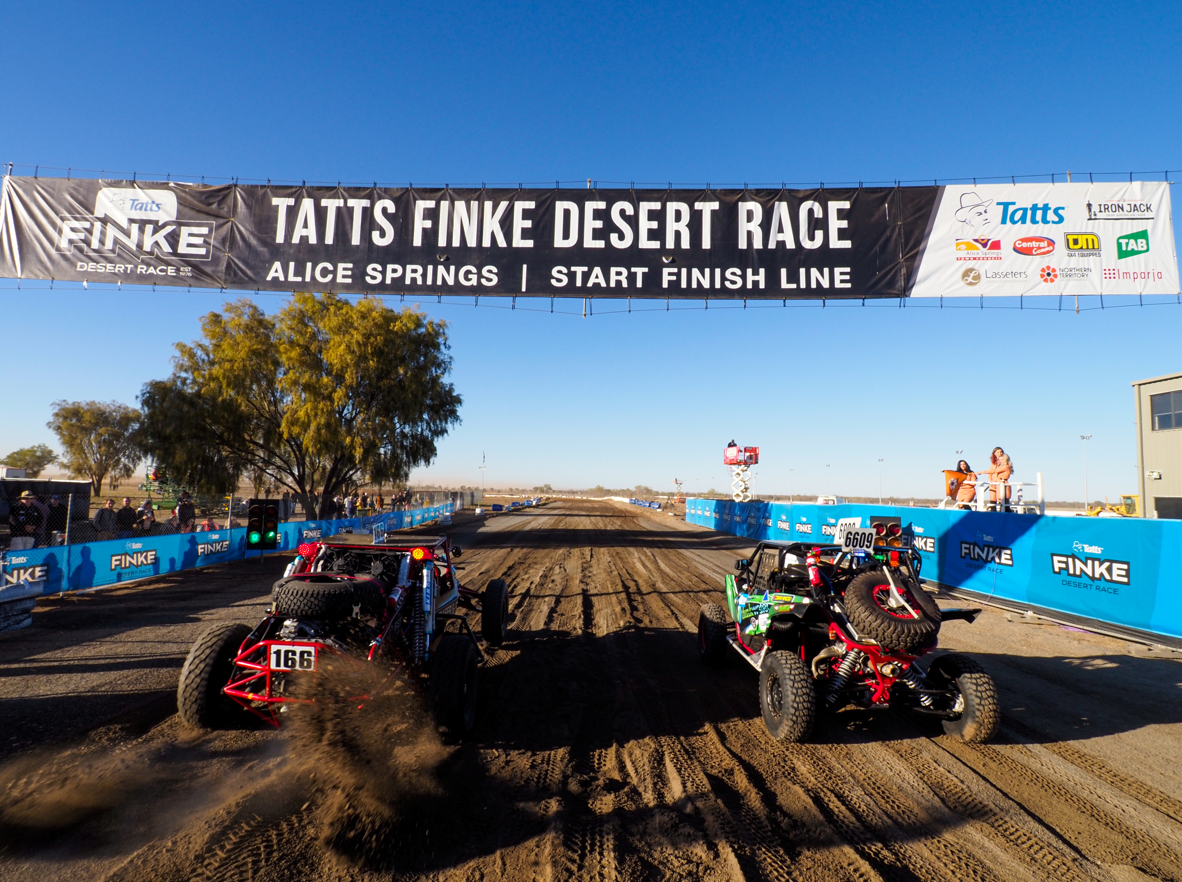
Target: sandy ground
(604, 749)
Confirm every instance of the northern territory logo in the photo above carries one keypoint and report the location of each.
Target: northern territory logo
(1132, 245)
(1082, 244)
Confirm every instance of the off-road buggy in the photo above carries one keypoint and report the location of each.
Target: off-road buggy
(388, 604)
(832, 625)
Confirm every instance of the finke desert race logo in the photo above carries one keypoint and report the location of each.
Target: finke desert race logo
(987, 554)
(133, 560)
(135, 223)
(204, 548)
(1103, 574)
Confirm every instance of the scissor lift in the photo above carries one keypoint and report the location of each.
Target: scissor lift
(739, 460)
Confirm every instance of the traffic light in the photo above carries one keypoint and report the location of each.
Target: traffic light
(254, 525)
(270, 525)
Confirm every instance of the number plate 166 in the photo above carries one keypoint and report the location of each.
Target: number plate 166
(292, 657)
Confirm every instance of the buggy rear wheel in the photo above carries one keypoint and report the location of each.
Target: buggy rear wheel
(712, 630)
(786, 697)
(452, 684)
(199, 698)
(494, 612)
(977, 701)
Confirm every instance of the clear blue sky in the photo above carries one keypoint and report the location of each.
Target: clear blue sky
(462, 93)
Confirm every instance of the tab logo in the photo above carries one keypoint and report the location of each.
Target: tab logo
(1082, 244)
(133, 561)
(1132, 245)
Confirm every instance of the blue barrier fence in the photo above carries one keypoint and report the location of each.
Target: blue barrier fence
(98, 564)
(1125, 571)
(644, 504)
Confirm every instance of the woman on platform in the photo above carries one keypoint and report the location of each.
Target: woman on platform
(1000, 470)
(966, 489)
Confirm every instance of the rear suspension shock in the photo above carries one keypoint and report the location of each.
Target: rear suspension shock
(845, 670)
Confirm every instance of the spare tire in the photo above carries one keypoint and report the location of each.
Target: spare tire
(326, 597)
(867, 602)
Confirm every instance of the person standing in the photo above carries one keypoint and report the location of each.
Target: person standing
(350, 506)
(55, 521)
(147, 517)
(186, 513)
(966, 490)
(104, 521)
(25, 523)
(1000, 470)
(125, 519)
(378, 503)
(285, 506)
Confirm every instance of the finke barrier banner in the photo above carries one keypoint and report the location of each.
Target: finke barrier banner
(99, 564)
(1124, 571)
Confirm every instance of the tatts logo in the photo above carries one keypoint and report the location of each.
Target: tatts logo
(133, 561)
(1034, 246)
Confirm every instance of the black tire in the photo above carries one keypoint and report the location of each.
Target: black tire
(865, 604)
(980, 715)
(200, 701)
(786, 697)
(452, 684)
(712, 630)
(326, 597)
(494, 612)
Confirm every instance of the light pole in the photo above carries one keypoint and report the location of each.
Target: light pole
(1084, 439)
(790, 471)
(880, 480)
(482, 476)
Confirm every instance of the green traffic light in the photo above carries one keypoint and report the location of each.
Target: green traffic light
(254, 538)
(271, 534)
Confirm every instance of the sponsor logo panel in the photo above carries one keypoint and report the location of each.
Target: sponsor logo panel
(1105, 211)
(133, 560)
(1082, 244)
(1132, 244)
(1034, 246)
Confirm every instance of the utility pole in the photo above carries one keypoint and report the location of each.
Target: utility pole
(482, 476)
(1084, 439)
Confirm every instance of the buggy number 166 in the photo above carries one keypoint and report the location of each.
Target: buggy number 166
(292, 657)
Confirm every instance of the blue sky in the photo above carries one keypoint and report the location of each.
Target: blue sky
(465, 93)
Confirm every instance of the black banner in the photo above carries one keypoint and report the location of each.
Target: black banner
(766, 244)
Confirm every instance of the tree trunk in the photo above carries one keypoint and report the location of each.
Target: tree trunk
(96, 482)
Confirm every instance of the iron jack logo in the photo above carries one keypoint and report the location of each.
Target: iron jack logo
(987, 554)
(1120, 211)
(1082, 244)
(134, 560)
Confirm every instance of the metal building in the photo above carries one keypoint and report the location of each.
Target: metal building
(1159, 445)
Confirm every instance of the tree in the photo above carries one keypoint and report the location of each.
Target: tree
(32, 459)
(98, 439)
(320, 396)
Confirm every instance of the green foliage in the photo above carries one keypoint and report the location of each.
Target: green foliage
(32, 459)
(98, 439)
(322, 396)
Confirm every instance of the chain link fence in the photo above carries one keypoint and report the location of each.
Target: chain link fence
(37, 518)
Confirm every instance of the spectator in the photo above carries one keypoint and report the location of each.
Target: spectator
(350, 506)
(55, 521)
(147, 517)
(966, 490)
(24, 522)
(285, 511)
(104, 521)
(125, 519)
(378, 502)
(1000, 470)
(208, 525)
(186, 513)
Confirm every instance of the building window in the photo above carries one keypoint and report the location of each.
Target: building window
(1167, 410)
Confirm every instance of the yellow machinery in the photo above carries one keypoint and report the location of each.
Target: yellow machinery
(1128, 508)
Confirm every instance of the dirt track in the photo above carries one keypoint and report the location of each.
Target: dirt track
(604, 749)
